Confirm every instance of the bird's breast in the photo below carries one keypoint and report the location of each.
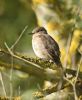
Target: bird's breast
(39, 46)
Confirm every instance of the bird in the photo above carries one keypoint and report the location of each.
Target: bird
(44, 46)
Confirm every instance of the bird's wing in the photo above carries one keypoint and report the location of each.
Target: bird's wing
(52, 47)
(55, 47)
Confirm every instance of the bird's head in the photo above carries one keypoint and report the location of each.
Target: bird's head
(40, 30)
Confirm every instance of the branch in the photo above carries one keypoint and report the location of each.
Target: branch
(41, 69)
(30, 66)
(7, 98)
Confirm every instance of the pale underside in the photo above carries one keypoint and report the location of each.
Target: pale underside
(45, 47)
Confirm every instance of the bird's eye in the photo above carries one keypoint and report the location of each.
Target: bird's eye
(41, 30)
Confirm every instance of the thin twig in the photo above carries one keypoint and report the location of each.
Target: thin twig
(76, 78)
(19, 37)
(8, 48)
(65, 63)
(67, 51)
(77, 74)
(11, 71)
(78, 70)
(11, 52)
(11, 78)
(3, 86)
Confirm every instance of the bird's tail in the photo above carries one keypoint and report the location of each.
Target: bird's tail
(58, 63)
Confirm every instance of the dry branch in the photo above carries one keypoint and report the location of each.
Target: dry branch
(27, 66)
(39, 68)
(7, 98)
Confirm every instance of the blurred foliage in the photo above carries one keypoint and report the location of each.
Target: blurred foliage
(14, 16)
(61, 18)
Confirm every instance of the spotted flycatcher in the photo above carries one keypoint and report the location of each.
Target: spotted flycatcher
(44, 46)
